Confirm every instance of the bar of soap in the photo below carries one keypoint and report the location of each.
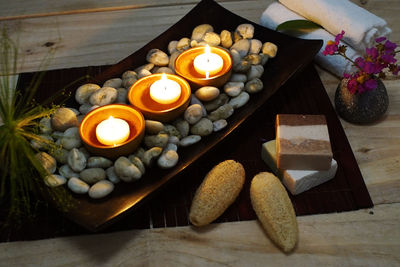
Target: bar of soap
(296, 181)
(302, 142)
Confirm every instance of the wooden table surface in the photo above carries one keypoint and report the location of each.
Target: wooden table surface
(82, 33)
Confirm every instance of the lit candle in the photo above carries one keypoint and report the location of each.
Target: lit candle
(112, 131)
(208, 63)
(165, 91)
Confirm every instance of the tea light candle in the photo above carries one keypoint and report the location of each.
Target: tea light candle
(112, 131)
(208, 63)
(165, 91)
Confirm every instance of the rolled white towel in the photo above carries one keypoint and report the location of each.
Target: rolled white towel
(361, 26)
(276, 14)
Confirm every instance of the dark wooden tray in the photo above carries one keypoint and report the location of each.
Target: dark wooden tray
(304, 95)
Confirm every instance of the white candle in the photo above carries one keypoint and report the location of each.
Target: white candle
(112, 131)
(165, 91)
(208, 63)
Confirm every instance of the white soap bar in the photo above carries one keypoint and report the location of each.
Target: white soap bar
(296, 181)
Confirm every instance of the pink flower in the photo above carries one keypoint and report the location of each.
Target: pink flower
(330, 48)
(339, 37)
(380, 39)
(370, 66)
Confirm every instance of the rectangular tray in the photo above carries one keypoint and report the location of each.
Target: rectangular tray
(308, 96)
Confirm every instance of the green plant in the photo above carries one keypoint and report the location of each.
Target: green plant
(21, 174)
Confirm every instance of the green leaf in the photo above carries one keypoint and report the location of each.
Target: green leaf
(298, 24)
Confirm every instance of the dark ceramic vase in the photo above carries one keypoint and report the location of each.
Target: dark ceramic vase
(362, 108)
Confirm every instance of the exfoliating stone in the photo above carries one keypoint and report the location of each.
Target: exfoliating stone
(182, 126)
(193, 113)
(112, 176)
(101, 189)
(203, 127)
(254, 59)
(57, 134)
(242, 46)
(238, 77)
(201, 30)
(269, 49)
(99, 162)
(76, 160)
(114, 83)
(54, 180)
(78, 186)
(212, 38)
(255, 46)
(223, 112)
(67, 172)
(92, 175)
(159, 140)
(45, 126)
(63, 118)
(222, 99)
(171, 146)
(138, 163)
(153, 127)
(128, 82)
(183, 44)
(233, 89)
(103, 96)
(207, 93)
(195, 100)
(219, 125)
(254, 86)
(148, 66)
(126, 170)
(122, 96)
(264, 58)
(171, 130)
(60, 154)
(240, 100)
(226, 39)
(43, 143)
(246, 31)
(168, 159)
(173, 139)
(151, 155)
(243, 66)
(255, 72)
(165, 70)
(129, 74)
(47, 162)
(172, 47)
(157, 57)
(84, 92)
(172, 59)
(236, 58)
(189, 140)
(143, 73)
(71, 138)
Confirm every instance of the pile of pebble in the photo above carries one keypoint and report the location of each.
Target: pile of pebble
(71, 163)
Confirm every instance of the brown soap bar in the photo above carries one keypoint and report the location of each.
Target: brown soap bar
(302, 142)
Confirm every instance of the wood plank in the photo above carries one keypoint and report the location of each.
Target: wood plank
(41, 8)
(108, 38)
(360, 238)
(111, 36)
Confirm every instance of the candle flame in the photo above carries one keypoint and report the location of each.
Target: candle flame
(164, 77)
(207, 50)
(207, 74)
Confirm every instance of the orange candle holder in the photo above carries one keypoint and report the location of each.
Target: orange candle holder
(184, 67)
(134, 118)
(139, 97)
